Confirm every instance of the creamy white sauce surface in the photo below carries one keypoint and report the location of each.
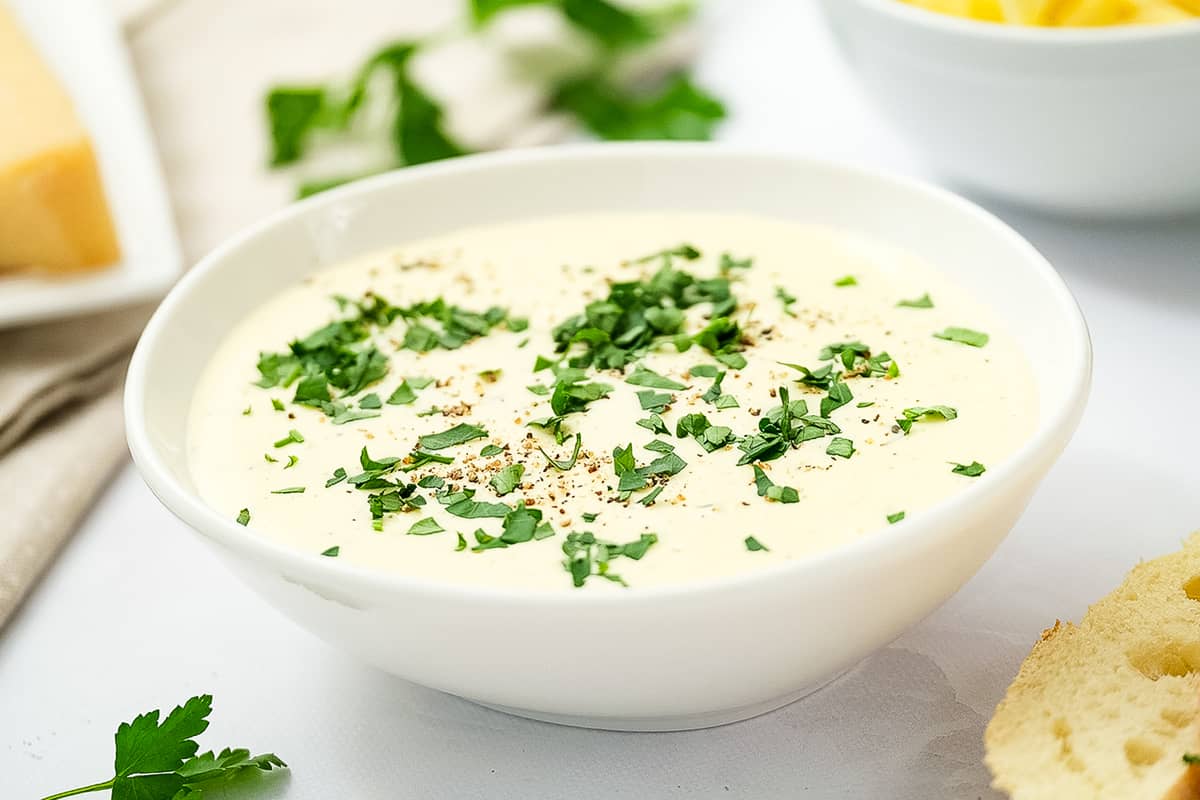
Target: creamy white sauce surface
(547, 270)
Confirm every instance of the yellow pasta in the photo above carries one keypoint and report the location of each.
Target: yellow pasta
(1067, 13)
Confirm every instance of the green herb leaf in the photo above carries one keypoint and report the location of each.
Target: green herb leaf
(924, 301)
(293, 113)
(917, 413)
(847, 280)
(425, 527)
(403, 395)
(507, 479)
(474, 509)
(894, 518)
(294, 436)
(963, 336)
(589, 516)
(459, 434)
(681, 110)
(654, 424)
(840, 447)
(289, 490)
(766, 488)
(276, 404)
(563, 466)
(754, 545)
(332, 552)
(491, 450)
(158, 761)
(370, 401)
(291, 462)
(651, 400)
(243, 517)
(641, 376)
(339, 475)
(972, 470)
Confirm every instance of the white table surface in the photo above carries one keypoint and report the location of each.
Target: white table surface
(137, 613)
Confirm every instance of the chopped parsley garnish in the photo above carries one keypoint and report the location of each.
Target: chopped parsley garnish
(491, 450)
(563, 466)
(768, 489)
(894, 518)
(291, 462)
(840, 447)
(276, 404)
(754, 545)
(403, 395)
(654, 424)
(459, 434)
(924, 301)
(341, 357)
(332, 552)
(787, 425)
(247, 411)
(714, 392)
(846, 280)
(270, 459)
(618, 330)
(684, 251)
(462, 543)
(507, 479)
(491, 375)
(293, 436)
(711, 437)
(704, 371)
(651, 400)
(339, 475)
(571, 397)
(632, 477)
(726, 401)
(590, 516)
(646, 377)
(865, 404)
(839, 395)
(651, 496)
(539, 389)
(243, 517)
(425, 527)
(431, 482)
(972, 470)
(587, 556)
(728, 263)
(289, 490)
(787, 299)
(520, 525)
(342, 415)
(370, 401)
(963, 336)
(475, 509)
(918, 413)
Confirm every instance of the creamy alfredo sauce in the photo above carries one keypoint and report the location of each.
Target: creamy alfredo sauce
(798, 289)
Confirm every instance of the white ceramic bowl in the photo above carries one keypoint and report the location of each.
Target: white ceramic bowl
(1091, 121)
(669, 658)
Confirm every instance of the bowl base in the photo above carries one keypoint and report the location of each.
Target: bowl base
(683, 722)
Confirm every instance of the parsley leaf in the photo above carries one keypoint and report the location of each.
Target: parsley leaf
(841, 447)
(917, 413)
(768, 489)
(459, 434)
(474, 509)
(289, 490)
(587, 556)
(508, 478)
(641, 376)
(972, 470)
(293, 436)
(158, 761)
(963, 336)
(243, 517)
(924, 301)
(332, 552)
(653, 423)
(491, 450)
(654, 401)
(894, 518)
(425, 527)
(563, 466)
(754, 545)
(847, 280)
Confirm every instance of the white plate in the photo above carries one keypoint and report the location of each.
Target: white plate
(82, 43)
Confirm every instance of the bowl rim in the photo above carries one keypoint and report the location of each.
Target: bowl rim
(1053, 431)
(1033, 35)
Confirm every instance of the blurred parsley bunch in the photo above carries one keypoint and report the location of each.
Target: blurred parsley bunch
(595, 91)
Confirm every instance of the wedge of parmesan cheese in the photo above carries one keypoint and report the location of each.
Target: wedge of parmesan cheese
(53, 214)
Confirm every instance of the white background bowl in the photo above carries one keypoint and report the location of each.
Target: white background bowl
(1102, 121)
(651, 659)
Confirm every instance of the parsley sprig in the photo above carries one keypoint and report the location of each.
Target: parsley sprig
(159, 761)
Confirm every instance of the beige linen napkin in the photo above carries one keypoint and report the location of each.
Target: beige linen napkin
(204, 67)
(60, 434)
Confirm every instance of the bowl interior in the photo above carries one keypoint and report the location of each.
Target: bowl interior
(975, 249)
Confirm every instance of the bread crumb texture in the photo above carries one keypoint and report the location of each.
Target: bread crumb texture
(1108, 708)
